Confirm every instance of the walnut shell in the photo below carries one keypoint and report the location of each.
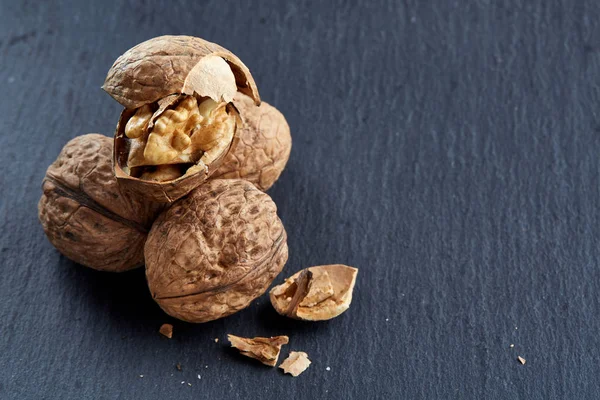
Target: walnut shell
(296, 363)
(215, 251)
(262, 148)
(159, 72)
(264, 349)
(316, 293)
(84, 213)
(165, 65)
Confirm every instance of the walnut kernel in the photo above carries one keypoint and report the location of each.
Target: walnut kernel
(188, 133)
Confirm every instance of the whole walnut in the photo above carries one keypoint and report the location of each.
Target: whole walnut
(179, 122)
(213, 252)
(262, 148)
(84, 213)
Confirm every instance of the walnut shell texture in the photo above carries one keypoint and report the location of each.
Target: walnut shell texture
(84, 213)
(262, 148)
(214, 251)
(167, 65)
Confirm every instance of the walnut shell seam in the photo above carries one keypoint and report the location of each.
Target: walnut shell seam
(280, 243)
(88, 202)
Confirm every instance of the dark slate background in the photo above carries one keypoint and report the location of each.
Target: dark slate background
(448, 149)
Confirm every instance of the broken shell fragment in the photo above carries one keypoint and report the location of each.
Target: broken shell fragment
(166, 330)
(296, 363)
(315, 293)
(266, 350)
(164, 156)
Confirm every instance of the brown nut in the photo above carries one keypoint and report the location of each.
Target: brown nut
(179, 122)
(266, 350)
(262, 148)
(215, 251)
(84, 213)
(315, 293)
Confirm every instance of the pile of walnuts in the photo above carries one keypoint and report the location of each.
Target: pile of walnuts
(180, 187)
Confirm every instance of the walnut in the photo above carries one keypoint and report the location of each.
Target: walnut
(215, 251)
(265, 350)
(315, 293)
(262, 148)
(296, 363)
(84, 213)
(179, 122)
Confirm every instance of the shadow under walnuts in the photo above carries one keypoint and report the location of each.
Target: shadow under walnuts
(124, 300)
(124, 297)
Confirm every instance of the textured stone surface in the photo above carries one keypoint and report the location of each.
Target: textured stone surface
(448, 149)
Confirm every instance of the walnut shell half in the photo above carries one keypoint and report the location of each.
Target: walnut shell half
(215, 251)
(165, 65)
(262, 148)
(315, 293)
(84, 213)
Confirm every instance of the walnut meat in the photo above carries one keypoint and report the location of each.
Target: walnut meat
(215, 251)
(261, 149)
(179, 122)
(315, 293)
(84, 213)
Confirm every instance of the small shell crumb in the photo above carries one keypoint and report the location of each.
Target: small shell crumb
(296, 363)
(166, 330)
